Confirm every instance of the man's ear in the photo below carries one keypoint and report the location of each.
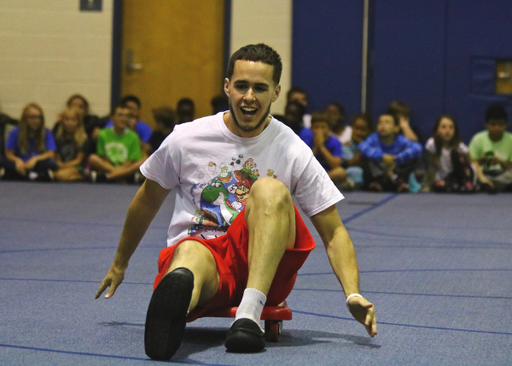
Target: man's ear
(277, 91)
(226, 87)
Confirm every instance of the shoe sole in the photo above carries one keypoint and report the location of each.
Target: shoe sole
(167, 313)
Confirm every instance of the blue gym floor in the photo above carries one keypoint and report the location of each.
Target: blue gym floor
(437, 267)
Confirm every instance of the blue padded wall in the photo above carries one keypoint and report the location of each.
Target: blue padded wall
(409, 58)
(438, 56)
(478, 33)
(327, 52)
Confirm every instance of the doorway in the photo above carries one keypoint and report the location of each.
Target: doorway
(172, 50)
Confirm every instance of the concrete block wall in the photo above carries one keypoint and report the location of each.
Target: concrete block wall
(51, 50)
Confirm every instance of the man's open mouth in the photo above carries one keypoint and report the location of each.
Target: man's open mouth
(248, 111)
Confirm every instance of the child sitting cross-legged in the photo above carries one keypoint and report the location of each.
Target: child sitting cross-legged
(118, 152)
(388, 158)
(449, 168)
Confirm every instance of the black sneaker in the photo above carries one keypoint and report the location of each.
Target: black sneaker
(245, 336)
(167, 313)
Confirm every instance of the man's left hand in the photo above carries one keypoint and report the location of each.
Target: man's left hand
(364, 312)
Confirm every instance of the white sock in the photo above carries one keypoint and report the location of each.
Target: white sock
(251, 305)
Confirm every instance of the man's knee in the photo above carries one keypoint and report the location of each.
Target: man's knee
(270, 190)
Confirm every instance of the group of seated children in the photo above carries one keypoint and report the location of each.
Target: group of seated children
(81, 146)
(391, 158)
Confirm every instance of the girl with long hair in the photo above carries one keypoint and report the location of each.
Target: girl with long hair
(30, 148)
(72, 146)
(449, 168)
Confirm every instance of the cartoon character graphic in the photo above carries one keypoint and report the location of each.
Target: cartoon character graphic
(241, 192)
(224, 175)
(216, 195)
(220, 198)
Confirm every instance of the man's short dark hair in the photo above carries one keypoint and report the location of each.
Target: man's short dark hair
(496, 112)
(257, 52)
(131, 98)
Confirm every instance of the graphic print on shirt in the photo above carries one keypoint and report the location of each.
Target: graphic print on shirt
(116, 152)
(221, 193)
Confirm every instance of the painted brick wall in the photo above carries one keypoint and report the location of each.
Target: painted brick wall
(49, 51)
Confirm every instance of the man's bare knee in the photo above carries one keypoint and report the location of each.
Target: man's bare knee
(189, 253)
(197, 258)
(270, 191)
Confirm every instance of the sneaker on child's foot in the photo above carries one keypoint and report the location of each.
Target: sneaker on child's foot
(167, 314)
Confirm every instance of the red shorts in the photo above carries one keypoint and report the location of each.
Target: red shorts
(230, 253)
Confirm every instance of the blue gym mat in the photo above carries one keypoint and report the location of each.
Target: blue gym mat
(437, 267)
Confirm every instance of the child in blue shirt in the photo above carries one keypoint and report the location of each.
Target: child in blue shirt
(327, 150)
(388, 157)
(30, 148)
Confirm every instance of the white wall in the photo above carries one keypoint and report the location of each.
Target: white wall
(269, 22)
(49, 51)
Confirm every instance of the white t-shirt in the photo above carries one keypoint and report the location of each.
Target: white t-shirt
(215, 169)
(445, 161)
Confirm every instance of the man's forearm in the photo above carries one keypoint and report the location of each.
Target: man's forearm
(140, 214)
(339, 247)
(342, 257)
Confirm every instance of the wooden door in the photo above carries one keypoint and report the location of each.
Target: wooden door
(172, 49)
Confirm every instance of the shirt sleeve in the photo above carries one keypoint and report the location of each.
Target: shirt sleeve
(163, 165)
(12, 140)
(371, 149)
(336, 148)
(144, 131)
(307, 136)
(411, 150)
(430, 146)
(315, 191)
(50, 141)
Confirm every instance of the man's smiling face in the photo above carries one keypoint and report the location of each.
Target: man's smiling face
(251, 91)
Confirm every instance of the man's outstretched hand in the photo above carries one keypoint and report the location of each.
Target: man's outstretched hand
(364, 312)
(112, 280)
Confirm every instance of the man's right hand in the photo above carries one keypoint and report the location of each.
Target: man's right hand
(364, 312)
(112, 280)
